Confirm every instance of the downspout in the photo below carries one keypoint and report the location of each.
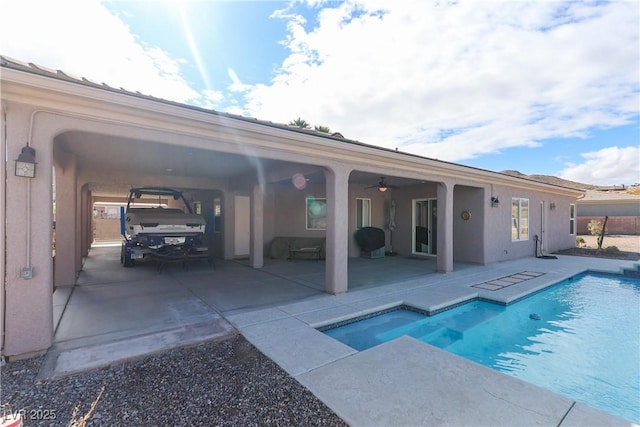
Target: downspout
(3, 234)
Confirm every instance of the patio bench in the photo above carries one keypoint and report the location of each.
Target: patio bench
(315, 251)
(286, 247)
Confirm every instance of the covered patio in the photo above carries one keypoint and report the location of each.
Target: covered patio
(112, 303)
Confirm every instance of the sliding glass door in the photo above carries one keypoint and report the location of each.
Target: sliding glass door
(425, 226)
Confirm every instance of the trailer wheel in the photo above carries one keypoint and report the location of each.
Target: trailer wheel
(125, 258)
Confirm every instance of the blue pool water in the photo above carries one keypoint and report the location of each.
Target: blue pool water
(580, 339)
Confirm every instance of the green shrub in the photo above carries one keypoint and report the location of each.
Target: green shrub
(580, 242)
(611, 249)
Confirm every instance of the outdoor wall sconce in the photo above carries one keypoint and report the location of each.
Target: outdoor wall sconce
(494, 202)
(26, 163)
(552, 206)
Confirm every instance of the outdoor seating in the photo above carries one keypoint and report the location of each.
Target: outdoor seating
(284, 247)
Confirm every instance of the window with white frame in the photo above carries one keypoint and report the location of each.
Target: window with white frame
(363, 213)
(519, 219)
(572, 218)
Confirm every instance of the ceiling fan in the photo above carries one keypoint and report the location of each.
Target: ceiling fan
(382, 185)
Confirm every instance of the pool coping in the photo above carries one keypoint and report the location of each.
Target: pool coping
(288, 334)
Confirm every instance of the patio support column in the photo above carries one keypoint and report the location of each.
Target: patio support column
(87, 220)
(337, 187)
(445, 227)
(78, 228)
(28, 304)
(257, 227)
(66, 264)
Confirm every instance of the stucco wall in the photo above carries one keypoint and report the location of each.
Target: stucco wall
(29, 218)
(468, 235)
(290, 203)
(285, 213)
(500, 247)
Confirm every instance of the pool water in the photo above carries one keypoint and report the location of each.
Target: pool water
(580, 339)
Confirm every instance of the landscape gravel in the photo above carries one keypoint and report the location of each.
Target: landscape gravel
(624, 247)
(218, 383)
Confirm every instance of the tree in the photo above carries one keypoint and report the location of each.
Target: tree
(596, 228)
(301, 123)
(323, 129)
(601, 237)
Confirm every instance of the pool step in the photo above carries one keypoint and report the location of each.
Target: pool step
(632, 272)
(415, 329)
(443, 337)
(424, 327)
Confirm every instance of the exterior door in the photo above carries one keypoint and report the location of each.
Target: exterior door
(242, 226)
(425, 233)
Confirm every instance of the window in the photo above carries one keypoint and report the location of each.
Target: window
(316, 214)
(572, 218)
(363, 213)
(519, 219)
(217, 215)
(197, 208)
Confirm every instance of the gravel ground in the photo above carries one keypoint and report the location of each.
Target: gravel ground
(219, 383)
(624, 243)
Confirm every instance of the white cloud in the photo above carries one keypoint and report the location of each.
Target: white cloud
(83, 38)
(448, 80)
(236, 84)
(454, 80)
(609, 166)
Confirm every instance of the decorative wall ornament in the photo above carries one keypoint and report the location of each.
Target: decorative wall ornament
(466, 215)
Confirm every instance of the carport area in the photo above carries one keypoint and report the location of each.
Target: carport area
(116, 313)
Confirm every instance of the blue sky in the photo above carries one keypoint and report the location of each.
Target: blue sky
(540, 87)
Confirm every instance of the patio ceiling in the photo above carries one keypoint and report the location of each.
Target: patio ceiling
(105, 152)
(100, 152)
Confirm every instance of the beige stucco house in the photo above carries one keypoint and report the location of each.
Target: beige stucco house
(95, 142)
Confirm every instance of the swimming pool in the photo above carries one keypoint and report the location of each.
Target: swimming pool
(580, 338)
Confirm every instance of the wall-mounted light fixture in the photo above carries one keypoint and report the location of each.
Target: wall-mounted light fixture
(26, 163)
(495, 202)
(552, 206)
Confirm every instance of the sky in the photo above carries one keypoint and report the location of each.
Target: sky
(542, 87)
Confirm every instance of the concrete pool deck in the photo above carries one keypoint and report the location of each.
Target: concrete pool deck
(407, 382)
(115, 314)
